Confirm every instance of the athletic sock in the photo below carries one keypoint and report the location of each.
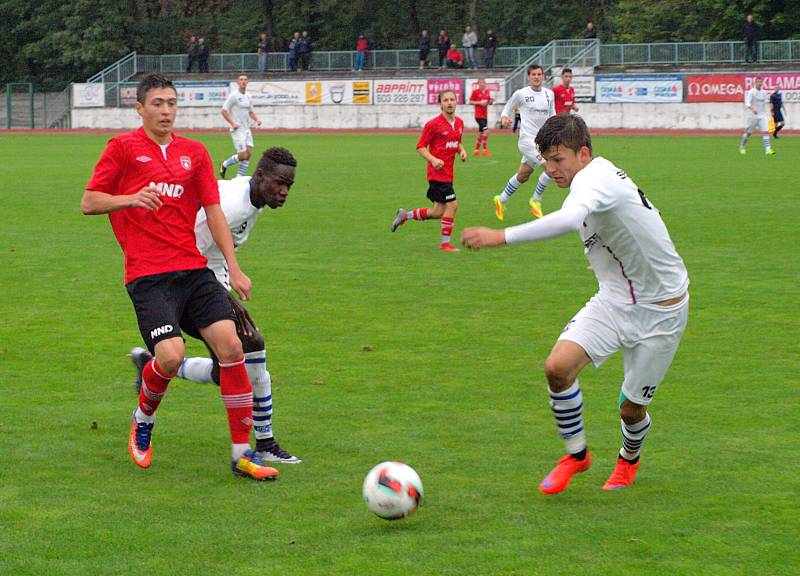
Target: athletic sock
(567, 407)
(447, 228)
(541, 184)
(237, 395)
(743, 141)
(154, 386)
(256, 365)
(485, 141)
(633, 436)
(765, 139)
(243, 165)
(511, 187)
(197, 370)
(228, 162)
(778, 128)
(417, 214)
(478, 142)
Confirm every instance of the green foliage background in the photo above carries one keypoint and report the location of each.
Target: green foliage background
(51, 43)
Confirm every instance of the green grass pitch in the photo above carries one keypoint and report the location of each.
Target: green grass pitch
(381, 347)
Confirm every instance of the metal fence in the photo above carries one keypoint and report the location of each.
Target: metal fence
(22, 108)
(697, 53)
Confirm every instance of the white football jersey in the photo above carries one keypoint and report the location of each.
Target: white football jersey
(239, 107)
(535, 107)
(241, 216)
(758, 99)
(625, 238)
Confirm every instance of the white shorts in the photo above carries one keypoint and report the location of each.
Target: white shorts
(530, 154)
(242, 139)
(647, 334)
(757, 123)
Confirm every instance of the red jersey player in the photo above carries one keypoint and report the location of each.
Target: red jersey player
(565, 93)
(151, 182)
(439, 143)
(481, 98)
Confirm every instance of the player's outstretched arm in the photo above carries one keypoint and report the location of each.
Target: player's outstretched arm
(94, 202)
(480, 237)
(221, 233)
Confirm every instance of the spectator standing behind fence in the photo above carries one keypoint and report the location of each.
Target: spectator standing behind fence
(293, 44)
(304, 51)
(362, 47)
(590, 33)
(443, 45)
(489, 48)
(202, 55)
(455, 59)
(750, 36)
(469, 40)
(424, 48)
(261, 50)
(191, 52)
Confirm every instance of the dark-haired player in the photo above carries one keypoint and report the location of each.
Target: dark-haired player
(150, 182)
(641, 306)
(439, 144)
(564, 94)
(243, 200)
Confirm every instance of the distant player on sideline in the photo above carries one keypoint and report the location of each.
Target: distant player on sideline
(565, 93)
(536, 104)
(481, 98)
(756, 116)
(238, 111)
(641, 307)
(242, 201)
(151, 182)
(776, 107)
(439, 143)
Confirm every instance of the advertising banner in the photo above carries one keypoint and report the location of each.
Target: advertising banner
(277, 93)
(649, 88)
(339, 92)
(731, 87)
(399, 91)
(497, 87)
(582, 82)
(202, 93)
(89, 95)
(438, 85)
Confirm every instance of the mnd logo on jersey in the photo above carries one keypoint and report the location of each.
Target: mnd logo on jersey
(451, 144)
(166, 189)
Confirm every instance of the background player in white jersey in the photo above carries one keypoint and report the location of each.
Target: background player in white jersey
(242, 201)
(238, 111)
(641, 307)
(536, 104)
(756, 104)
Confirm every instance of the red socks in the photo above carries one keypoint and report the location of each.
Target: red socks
(237, 395)
(154, 386)
(419, 214)
(447, 228)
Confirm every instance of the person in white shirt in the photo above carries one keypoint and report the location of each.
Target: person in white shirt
(756, 104)
(242, 201)
(468, 41)
(238, 111)
(641, 306)
(536, 104)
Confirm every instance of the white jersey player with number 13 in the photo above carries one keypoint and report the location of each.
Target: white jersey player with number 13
(536, 104)
(641, 306)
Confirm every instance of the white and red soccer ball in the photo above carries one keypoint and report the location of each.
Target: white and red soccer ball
(392, 490)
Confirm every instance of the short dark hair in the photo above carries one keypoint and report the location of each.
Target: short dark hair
(274, 156)
(564, 70)
(150, 82)
(564, 130)
(534, 67)
(443, 92)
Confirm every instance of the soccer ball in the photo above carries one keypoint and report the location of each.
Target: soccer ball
(392, 490)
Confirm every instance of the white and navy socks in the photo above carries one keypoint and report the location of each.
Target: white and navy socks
(243, 164)
(633, 436)
(567, 407)
(541, 184)
(256, 364)
(228, 162)
(511, 187)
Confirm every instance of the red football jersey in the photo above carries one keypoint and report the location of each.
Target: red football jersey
(163, 240)
(565, 98)
(443, 141)
(477, 94)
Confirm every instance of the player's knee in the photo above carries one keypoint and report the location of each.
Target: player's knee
(558, 374)
(522, 177)
(169, 361)
(229, 349)
(253, 343)
(632, 413)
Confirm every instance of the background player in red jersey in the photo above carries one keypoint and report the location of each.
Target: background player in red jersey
(565, 93)
(439, 143)
(150, 182)
(481, 98)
